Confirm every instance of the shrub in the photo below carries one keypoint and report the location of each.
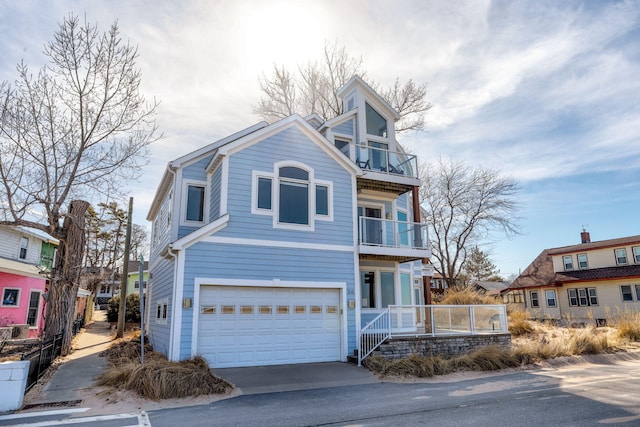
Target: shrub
(464, 296)
(519, 323)
(628, 325)
(132, 309)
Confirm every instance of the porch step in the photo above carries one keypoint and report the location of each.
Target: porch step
(352, 359)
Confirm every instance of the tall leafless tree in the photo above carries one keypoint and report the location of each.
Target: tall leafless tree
(78, 127)
(464, 205)
(314, 89)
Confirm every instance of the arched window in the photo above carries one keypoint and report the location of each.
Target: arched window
(294, 195)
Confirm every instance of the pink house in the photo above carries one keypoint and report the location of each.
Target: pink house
(25, 254)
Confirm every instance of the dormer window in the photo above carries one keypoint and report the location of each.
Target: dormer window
(567, 260)
(194, 202)
(24, 244)
(376, 124)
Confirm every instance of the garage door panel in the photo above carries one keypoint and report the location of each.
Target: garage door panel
(263, 326)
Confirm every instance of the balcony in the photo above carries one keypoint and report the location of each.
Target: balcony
(400, 241)
(386, 170)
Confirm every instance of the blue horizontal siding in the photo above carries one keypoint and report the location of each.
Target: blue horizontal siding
(211, 260)
(344, 128)
(161, 285)
(290, 144)
(214, 197)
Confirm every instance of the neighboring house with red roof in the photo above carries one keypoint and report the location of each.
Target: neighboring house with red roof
(591, 281)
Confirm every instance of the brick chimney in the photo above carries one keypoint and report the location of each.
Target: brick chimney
(585, 237)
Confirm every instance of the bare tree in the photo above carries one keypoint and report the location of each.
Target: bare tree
(77, 128)
(314, 89)
(463, 206)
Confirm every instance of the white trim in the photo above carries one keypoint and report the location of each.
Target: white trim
(311, 199)
(329, 185)
(378, 284)
(199, 282)
(11, 288)
(224, 186)
(390, 251)
(196, 236)
(276, 243)
(176, 314)
(39, 311)
(255, 175)
(185, 199)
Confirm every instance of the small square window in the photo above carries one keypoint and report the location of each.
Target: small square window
(316, 309)
(282, 309)
(621, 256)
(300, 309)
(208, 309)
(228, 309)
(331, 309)
(10, 297)
(246, 309)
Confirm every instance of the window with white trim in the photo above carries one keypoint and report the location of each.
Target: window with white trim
(550, 295)
(627, 295)
(636, 254)
(24, 244)
(533, 296)
(377, 288)
(583, 262)
(11, 297)
(582, 297)
(162, 308)
(567, 261)
(292, 196)
(621, 256)
(194, 202)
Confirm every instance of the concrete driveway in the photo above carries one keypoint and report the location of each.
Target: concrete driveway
(307, 376)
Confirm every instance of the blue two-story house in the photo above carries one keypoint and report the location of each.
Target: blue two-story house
(278, 243)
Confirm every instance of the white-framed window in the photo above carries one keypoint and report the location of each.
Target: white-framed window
(582, 297)
(24, 245)
(11, 297)
(637, 288)
(34, 308)
(636, 254)
(376, 124)
(162, 308)
(567, 261)
(136, 284)
(627, 294)
(292, 196)
(550, 296)
(533, 296)
(583, 262)
(621, 256)
(194, 202)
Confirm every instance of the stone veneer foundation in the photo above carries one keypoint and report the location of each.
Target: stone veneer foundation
(399, 347)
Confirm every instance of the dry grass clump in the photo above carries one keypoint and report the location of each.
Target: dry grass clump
(519, 324)
(158, 378)
(628, 325)
(454, 296)
(588, 341)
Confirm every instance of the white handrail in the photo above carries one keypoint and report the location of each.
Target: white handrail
(373, 334)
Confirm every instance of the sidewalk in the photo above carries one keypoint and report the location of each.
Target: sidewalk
(78, 369)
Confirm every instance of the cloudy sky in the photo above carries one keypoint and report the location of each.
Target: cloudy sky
(547, 92)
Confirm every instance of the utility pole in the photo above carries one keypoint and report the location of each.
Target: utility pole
(125, 269)
(141, 282)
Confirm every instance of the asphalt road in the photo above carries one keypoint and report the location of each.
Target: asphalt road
(595, 394)
(580, 395)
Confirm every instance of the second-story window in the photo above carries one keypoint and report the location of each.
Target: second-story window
(636, 254)
(621, 256)
(24, 244)
(567, 260)
(582, 261)
(376, 124)
(195, 203)
(294, 196)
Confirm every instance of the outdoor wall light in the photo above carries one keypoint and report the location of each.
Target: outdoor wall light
(186, 303)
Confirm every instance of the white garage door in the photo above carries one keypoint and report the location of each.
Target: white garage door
(247, 326)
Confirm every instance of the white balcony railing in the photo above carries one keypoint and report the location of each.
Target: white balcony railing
(393, 234)
(431, 320)
(385, 161)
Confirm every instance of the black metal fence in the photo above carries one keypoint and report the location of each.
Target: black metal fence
(41, 358)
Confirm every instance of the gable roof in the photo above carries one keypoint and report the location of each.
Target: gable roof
(172, 166)
(356, 81)
(627, 271)
(622, 241)
(491, 286)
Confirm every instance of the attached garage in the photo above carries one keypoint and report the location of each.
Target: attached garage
(254, 326)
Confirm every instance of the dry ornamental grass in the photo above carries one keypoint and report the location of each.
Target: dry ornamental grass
(158, 378)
